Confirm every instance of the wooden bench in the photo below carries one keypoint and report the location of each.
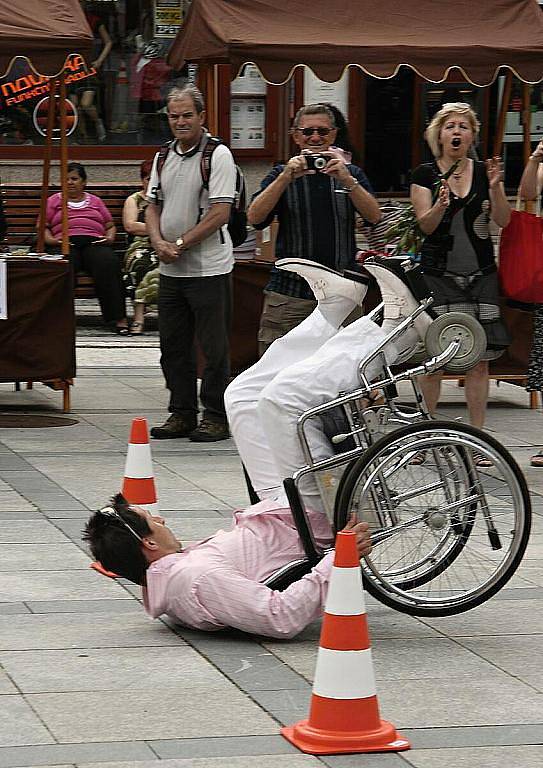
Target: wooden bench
(22, 205)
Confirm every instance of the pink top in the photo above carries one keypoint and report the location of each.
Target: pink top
(89, 219)
(215, 583)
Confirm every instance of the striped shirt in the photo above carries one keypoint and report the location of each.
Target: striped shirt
(316, 223)
(216, 583)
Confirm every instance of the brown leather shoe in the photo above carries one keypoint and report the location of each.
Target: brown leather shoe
(210, 432)
(175, 426)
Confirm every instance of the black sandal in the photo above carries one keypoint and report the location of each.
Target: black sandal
(537, 459)
(139, 328)
(122, 330)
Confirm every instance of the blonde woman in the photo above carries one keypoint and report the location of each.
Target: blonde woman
(457, 255)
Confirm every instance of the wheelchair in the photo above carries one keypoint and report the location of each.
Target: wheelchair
(447, 534)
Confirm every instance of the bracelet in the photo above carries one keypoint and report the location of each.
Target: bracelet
(350, 189)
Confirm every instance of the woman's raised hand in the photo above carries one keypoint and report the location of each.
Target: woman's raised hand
(494, 171)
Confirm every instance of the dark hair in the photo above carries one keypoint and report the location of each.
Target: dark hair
(342, 140)
(112, 544)
(146, 168)
(79, 169)
(314, 109)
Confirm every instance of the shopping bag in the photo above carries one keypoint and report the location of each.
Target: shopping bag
(521, 258)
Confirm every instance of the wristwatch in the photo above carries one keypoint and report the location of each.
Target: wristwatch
(179, 242)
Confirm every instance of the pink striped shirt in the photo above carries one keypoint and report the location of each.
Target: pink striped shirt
(215, 583)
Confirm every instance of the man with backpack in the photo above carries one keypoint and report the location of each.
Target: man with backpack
(191, 193)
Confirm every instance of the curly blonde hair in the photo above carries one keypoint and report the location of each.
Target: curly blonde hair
(452, 108)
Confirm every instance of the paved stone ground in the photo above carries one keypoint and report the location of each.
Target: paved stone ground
(86, 679)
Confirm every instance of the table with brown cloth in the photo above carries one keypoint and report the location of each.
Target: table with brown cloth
(37, 341)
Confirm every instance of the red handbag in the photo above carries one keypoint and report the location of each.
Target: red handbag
(521, 258)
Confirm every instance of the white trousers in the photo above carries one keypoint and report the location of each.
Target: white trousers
(306, 367)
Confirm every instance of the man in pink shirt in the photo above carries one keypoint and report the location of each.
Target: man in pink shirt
(219, 582)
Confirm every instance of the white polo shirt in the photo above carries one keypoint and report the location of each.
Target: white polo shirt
(181, 195)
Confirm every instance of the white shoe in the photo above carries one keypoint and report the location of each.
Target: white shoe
(395, 292)
(325, 283)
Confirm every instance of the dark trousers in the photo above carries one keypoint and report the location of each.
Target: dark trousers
(103, 265)
(190, 310)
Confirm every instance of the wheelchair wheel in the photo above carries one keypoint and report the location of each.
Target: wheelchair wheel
(446, 533)
(460, 325)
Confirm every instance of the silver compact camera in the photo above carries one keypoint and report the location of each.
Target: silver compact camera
(316, 162)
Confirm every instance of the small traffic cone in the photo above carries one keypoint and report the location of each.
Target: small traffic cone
(344, 713)
(139, 483)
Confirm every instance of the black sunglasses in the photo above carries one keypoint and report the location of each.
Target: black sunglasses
(310, 131)
(112, 513)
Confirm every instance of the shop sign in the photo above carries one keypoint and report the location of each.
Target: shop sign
(168, 19)
(40, 116)
(25, 85)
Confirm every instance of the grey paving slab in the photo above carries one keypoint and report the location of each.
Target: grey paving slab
(29, 514)
(477, 757)
(497, 617)
(57, 585)
(82, 606)
(366, 761)
(427, 703)
(42, 557)
(260, 671)
(263, 761)
(19, 725)
(475, 736)
(6, 686)
(29, 480)
(10, 461)
(75, 717)
(95, 630)
(11, 501)
(225, 747)
(286, 706)
(30, 532)
(57, 754)
(396, 659)
(10, 608)
(52, 502)
(520, 593)
(176, 669)
(520, 656)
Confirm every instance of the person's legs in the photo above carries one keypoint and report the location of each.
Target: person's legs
(280, 314)
(178, 357)
(210, 302)
(431, 388)
(476, 388)
(242, 395)
(103, 265)
(310, 382)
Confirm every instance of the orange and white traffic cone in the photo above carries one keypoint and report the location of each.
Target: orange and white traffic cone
(139, 483)
(344, 713)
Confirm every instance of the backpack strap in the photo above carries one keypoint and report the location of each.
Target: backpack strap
(212, 142)
(162, 155)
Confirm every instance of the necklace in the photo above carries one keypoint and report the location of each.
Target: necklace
(457, 175)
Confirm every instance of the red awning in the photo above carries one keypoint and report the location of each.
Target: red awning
(46, 32)
(430, 36)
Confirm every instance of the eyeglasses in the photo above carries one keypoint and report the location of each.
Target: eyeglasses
(310, 131)
(110, 512)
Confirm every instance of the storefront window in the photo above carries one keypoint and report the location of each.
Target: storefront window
(121, 100)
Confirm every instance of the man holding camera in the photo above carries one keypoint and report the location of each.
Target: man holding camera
(314, 197)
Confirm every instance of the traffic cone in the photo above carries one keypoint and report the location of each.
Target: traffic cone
(139, 483)
(344, 713)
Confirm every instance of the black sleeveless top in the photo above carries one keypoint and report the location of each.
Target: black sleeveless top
(461, 244)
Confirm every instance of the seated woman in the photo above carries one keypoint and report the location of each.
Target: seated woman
(92, 234)
(140, 258)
